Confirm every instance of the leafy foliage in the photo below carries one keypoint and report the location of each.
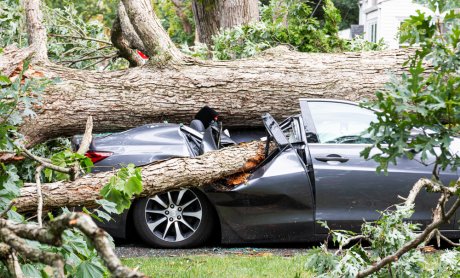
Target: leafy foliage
(12, 23)
(76, 42)
(360, 44)
(67, 159)
(172, 23)
(123, 186)
(103, 10)
(75, 39)
(420, 112)
(283, 22)
(385, 236)
(349, 11)
(14, 94)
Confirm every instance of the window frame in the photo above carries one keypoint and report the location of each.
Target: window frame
(309, 124)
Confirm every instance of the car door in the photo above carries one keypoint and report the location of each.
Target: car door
(275, 203)
(348, 189)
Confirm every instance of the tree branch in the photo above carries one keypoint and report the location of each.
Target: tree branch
(158, 44)
(32, 254)
(120, 42)
(448, 240)
(45, 162)
(197, 171)
(134, 42)
(13, 235)
(100, 240)
(38, 173)
(36, 30)
(437, 221)
(80, 38)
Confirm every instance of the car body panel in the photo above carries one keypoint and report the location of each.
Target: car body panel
(276, 204)
(363, 192)
(141, 146)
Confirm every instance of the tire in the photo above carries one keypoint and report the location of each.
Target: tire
(174, 219)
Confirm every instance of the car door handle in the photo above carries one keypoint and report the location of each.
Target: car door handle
(332, 157)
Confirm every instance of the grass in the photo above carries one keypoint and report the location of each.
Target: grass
(221, 266)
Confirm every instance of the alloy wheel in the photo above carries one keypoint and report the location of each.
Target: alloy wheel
(174, 216)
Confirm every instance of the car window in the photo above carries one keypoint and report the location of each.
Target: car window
(341, 123)
(292, 131)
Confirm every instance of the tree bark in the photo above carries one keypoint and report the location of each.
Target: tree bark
(36, 30)
(128, 31)
(158, 45)
(241, 90)
(162, 176)
(123, 45)
(213, 15)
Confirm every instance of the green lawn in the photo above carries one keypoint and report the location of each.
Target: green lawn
(264, 265)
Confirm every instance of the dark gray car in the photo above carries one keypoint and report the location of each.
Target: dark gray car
(313, 173)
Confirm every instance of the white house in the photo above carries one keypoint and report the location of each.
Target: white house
(382, 18)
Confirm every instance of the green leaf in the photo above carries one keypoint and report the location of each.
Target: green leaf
(133, 186)
(85, 210)
(107, 205)
(88, 269)
(4, 80)
(31, 271)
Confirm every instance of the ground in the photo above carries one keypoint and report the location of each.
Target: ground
(216, 261)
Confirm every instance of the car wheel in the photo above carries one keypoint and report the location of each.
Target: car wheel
(174, 219)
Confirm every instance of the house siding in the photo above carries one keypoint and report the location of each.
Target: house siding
(388, 14)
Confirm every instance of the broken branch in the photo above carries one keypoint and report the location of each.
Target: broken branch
(156, 177)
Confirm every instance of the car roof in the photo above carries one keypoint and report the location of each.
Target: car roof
(328, 100)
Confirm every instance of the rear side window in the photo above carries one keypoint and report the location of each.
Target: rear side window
(341, 123)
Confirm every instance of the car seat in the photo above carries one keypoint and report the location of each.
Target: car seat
(197, 125)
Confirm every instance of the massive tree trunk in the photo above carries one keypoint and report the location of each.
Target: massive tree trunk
(173, 87)
(241, 90)
(167, 175)
(213, 15)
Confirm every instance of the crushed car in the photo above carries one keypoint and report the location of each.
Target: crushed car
(313, 172)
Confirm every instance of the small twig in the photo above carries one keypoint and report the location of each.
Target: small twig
(38, 173)
(94, 51)
(73, 62)
(45, 162)
(348, 241)
(87, 137)
(100, 61)
(448, 240)
(79, 38)
(13, 265)
(16, 266)
(8, 208)
(84, 145)
(317, 6)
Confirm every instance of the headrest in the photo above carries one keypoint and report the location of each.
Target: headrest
(197, 125)
(206, 115)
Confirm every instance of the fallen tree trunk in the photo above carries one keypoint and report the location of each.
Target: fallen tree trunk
(241, 90)
(165, 175)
